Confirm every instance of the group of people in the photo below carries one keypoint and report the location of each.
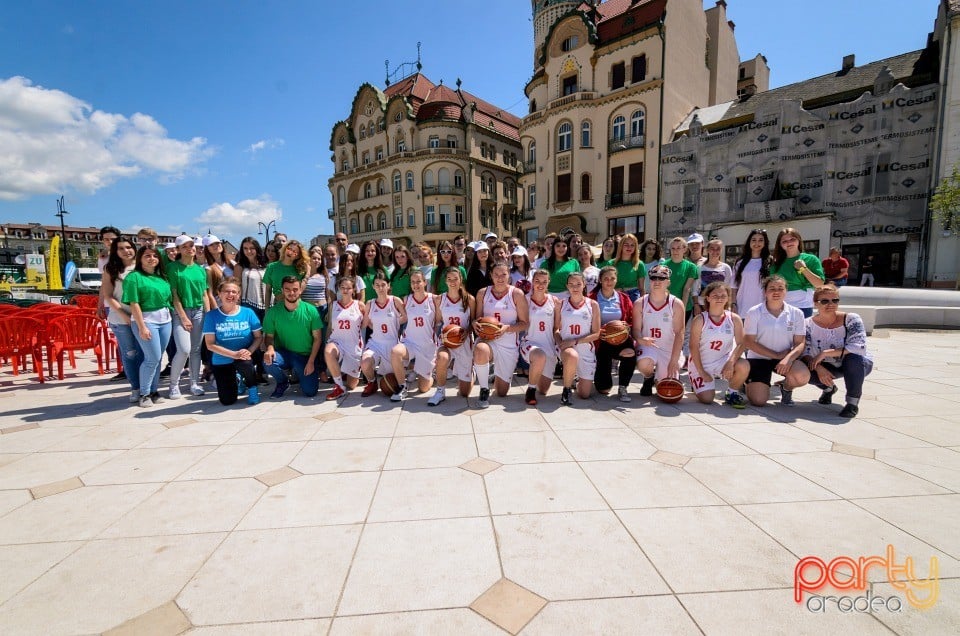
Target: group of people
(403, 319)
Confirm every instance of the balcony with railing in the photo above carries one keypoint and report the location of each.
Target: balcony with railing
(617, 145)
(528, 167)
(488, 196)
(443, 189)
(443, 227)
(623, 198)
(528, 214)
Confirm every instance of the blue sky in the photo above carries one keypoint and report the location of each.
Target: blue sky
(217, 114)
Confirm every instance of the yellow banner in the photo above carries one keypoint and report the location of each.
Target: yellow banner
(53, 265)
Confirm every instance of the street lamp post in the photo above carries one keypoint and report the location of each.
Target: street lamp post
(61, 211)
(265, 228)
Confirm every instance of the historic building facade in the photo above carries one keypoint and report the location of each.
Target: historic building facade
(845, 158)
(611, 81)
(420, 161)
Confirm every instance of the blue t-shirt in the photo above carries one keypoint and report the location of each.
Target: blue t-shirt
(232, 332)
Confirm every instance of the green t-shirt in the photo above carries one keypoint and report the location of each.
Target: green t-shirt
(608, 263)
(150, 292)
(400, 284)
(292, 330)
(628, 276)
(796, 282)
(680, 273)
(190, 283)
(368, 291)
(275, 273)
(558, 275)
(440, 281)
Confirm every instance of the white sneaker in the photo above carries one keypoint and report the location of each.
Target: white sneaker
(622, 392)
(399, 395)
(197, 390)
(145, 401)
(175, 393)
(438, 396)
(135, 396)
(411, 377)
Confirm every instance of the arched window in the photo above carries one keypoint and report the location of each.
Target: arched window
(368, 223)
(397, 181)
(370, 129)
(585, 141)
(533, 105)
(381, 187)
(619, 128)
(585, 187)
(382, 221)
(354, 225)
(381, 125)
(564, 137)
(341, 195)
(636, 123)
(409, 181)
(344, 162)
(367, 191)
(428, 178)
(458, 179)
(532, 153)
(443, 177)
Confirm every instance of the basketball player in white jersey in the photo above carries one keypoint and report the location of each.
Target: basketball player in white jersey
(579, 329)
(385, 314)
(419, 341)
(342, 352)
(539, 345)
(716, 348)
(508, 306)
(658, 325)
(455, 307)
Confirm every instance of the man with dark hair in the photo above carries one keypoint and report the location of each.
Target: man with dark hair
(108, 234)
(459, 247)
(341, 240)
(291, 332)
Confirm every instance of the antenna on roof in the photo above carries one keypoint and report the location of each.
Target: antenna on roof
(458, 83)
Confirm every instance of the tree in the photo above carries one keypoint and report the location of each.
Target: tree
(945, 202)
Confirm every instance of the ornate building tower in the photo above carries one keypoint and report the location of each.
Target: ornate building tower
(545, 15)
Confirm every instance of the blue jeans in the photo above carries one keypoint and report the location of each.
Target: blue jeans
(853, 369)
(130, 352)
(188, 344)
(283, 359)
(152, 352)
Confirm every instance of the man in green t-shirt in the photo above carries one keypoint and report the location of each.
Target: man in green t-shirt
(292, 334)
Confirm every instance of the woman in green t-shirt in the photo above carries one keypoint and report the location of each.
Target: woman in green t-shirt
(560, 264)
(191, 300)
(294, 261)
(402, 266)
(630, 269)
(149, 296)
(803, 272)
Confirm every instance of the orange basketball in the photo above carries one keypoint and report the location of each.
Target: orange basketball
(452, 336)
(670, 390)
(488, 328)
(615, 332)
(389, 384)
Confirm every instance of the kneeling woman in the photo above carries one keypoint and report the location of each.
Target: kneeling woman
(614, 305)
(774, 335)
(836, 347)
(716, 347)
(233, 335)
(579, 328)
(342, 352)
(455, 307)
(658, 325)
(419, 342)
(385, 314)
(539, 346)
(507, 305)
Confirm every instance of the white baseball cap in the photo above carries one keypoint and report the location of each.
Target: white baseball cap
(182, 239)
(210, 239)
(480, 245)
(490, 235)
(695, 238)
(170, 246)
(197, 240)
(353, 247)
(519, 250)
(386, 243)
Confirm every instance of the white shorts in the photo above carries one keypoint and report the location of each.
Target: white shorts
(660, 358)
(381, 353)
(461, 361)
(587, 362)
(704, 381)
(424, 356)
(349, 358)
(527, 348)
(505, 356)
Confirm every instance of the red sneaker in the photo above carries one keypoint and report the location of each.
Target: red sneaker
(370, 389)
(337, 393)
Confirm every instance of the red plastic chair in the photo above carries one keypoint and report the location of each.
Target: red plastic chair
(86, 301)
(19, 337)
(73, 332)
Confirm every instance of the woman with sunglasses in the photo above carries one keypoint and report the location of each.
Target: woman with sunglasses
(630, 269)
(120, 263)
(368, 266)
(803, 272)
(614, 305)
(774, 335)
(579, 329)
(419, 342)
(539, 344)
(385, 315)
(446, 258)
(454, 307)
(658, 330)
(233, 335)
(293, 262)
(560, 263)
(716, 348)
(508, 306)
(251, 263)
(478, 276)
(402, 266)
(650, 254)
(752, 268)
(836, 347)
(150, 298)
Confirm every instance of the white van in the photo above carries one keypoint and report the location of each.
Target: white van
(88, 278)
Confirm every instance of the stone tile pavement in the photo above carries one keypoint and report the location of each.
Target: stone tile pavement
(305, 517)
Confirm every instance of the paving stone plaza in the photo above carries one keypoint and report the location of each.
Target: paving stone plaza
(300, 516)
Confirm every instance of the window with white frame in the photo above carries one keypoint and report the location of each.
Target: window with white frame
(531, 197)
(367, 191)
(382, 221)
(411, 218)
(368, 223)
(564, 136)
(532, 153)
(585, 141)
(409, 181)
(397, 182)
(458, 217)
(431, 215)
(619, 128)
(397, 217)
(637, 123)
(434, 142)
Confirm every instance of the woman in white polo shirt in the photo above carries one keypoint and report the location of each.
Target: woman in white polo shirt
(774, 334)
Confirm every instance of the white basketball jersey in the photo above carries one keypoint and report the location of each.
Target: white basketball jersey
(575, 322)
(540, 332)
(453, 313)
(716, 339)
(503, 309)
(421, 320)
(658, 322)
(384, 322)
(345, 323)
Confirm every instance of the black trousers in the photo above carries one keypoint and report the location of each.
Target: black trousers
(226, 376)
(606, 354)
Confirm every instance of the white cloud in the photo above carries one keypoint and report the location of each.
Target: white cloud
(227, 220)
(265, 144)
(53, 142)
